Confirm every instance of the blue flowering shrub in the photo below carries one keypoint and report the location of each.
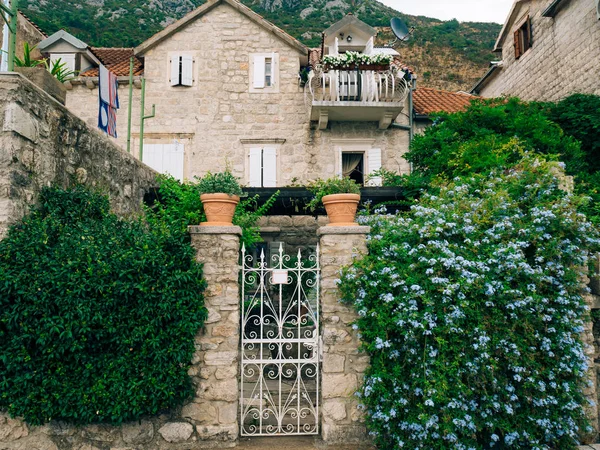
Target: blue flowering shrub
(470, 307)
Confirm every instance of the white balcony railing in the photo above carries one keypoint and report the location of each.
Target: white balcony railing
(357, 85)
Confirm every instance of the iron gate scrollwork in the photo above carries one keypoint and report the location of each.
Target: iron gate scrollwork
(280, 344)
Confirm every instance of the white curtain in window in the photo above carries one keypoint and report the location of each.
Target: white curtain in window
(350, 162)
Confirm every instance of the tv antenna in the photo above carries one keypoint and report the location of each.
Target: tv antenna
(400, 30)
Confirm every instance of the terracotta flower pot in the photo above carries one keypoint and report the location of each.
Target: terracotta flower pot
(219, 209)
(341, 209)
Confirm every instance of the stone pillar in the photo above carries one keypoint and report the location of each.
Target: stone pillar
(343, 366)
(215, 371)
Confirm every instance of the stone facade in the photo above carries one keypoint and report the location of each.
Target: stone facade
(220, 117)
(343, 366)
(564, 57)
(26, 32)
(42, 143)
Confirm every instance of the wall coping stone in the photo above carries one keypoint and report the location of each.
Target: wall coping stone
(196, 229)
(343, 230)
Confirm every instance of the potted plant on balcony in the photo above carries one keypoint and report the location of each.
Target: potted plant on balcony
(355, 60)
(340, 196)
(220, 194)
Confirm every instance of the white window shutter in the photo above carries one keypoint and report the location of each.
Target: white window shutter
(374, 164)
(269, 167)
(336, 47)
(258, 80)
(153, 156)
(173, 160)
(339, 171)
(187, 64)
(255, 168)
(175, 70)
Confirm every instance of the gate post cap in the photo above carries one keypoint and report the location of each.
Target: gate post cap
(197, 229)
(343, 230)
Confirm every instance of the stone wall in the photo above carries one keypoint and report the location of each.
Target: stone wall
(564, 58)
(343, 366)
(42, 143)
(218, 118)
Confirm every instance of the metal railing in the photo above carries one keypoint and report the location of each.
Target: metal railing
(356, 85)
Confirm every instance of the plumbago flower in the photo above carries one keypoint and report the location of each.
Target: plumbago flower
(470, 306)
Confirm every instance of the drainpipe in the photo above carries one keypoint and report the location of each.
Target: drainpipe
(5, 34)
(130, 104)
(411, 117)
(10, 15)
(143, 117)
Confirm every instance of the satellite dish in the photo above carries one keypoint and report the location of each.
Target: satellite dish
(400, 29)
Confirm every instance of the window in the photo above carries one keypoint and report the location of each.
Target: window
(264, 72)
(360, 164)
(262, 167)
(523, 38)
(165, 158)
(182, 70)
(65, 58)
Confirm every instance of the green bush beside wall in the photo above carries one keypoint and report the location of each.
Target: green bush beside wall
(97, 314)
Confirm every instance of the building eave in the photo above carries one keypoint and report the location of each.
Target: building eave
(552, 9)
(208, 6)
(494, 69)
(506, 26)
(64, 36)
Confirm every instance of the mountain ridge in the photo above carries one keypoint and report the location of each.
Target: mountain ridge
(447, 55)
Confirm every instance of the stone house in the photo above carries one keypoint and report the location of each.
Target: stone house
(226, 89)
(548, 49)
(27, 32)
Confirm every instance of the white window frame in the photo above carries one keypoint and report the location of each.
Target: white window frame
(193, 72)
(364, 146)
(250, 145)
(260, 87)
(178, 146)
(69, 58)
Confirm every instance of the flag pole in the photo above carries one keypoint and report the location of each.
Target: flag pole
(130, 105)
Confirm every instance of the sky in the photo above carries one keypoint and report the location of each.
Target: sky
(462, 10)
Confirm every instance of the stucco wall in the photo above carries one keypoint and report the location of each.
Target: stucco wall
(41, 143)
(564, 58)
(217, 117)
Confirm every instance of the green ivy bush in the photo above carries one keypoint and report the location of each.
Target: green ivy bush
(97, 314)
(179, 206)
(470, 308)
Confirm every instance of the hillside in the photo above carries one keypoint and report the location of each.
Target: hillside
(446, 55)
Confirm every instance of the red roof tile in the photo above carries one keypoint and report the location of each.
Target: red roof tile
(428, 100)
(117, 61)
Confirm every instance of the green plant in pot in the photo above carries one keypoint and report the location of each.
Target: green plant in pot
(340, 196)
(220, 193)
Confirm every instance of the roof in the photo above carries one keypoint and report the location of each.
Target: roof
(428, 100)
(208, 6)
(62, 35)
(350, 19)
(117, 61)
(33, 24)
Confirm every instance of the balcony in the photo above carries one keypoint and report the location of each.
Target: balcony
(362, 94)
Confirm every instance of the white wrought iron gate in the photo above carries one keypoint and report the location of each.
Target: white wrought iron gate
(280, 344)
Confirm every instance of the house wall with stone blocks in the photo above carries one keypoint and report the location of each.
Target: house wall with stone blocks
(26, 33)
(564, 58)
(218, 118)
(42, 143)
